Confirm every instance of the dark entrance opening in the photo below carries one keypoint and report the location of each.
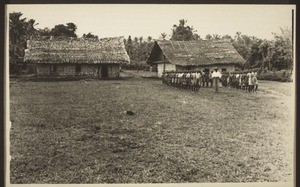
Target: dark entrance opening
(188, 67)
(104, 71)
(206, 71)
(77, 69)
(53, 69)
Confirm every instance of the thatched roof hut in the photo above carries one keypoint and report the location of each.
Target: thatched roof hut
(202, 54)
(76, 50)
(196, 53)
(61, 56)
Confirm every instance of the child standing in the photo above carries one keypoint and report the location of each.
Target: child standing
(255, 82)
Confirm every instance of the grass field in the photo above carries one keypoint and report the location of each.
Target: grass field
(78, 132)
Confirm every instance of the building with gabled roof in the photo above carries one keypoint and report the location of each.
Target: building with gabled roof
(68, 57)
(200, 55)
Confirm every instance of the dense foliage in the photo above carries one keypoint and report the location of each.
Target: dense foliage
(138, 50)
(90, 35)
(182, 32)
(273, 54)
(19, 31)
(18, 28)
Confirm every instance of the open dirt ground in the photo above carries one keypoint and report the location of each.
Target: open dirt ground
(78, 132)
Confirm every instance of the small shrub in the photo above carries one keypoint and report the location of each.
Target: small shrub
(282, 76)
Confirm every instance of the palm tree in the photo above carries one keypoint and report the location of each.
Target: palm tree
(208, 37)
(237, 35)
(149, 39)
(140, 39)
(30, 27)
(16, 26)
(216, 37)
(163, 35)
(182, 22)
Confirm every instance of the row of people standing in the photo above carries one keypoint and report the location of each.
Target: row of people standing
(242, 80)
(191, 80)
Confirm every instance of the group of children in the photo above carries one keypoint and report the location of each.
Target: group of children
(241, 80)
(189, 80)
(193, 80)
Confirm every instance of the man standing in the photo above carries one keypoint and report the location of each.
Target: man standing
(216, 75)
(204, 77)
(198, 80)
(211, 79)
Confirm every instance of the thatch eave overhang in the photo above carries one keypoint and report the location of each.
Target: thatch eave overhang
(197, 53)
(68, 50)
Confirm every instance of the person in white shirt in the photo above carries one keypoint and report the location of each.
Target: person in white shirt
(249, 81)
(255, 82)
(198, 80)
(188, 80)
(180, 80)
(216, 75)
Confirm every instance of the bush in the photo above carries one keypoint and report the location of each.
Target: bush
(282, 76)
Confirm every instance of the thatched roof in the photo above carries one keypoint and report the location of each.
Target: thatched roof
(194, 53)
(76, 50)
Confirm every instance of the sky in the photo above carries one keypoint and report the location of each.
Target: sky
(144, 20)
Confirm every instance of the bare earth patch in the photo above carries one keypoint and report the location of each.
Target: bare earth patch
(78, 132)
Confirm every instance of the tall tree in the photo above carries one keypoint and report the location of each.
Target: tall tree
(89, 35)
(129, 46)
(19, 28)
(44, 32)
(149, 39)
(242, 49)
(182, 32)
(227, 37)
(138, 50)
(237, 35)
(30, 30)
(71, 27)
(216, 37)
(163, 35)
(64, 30)
(196, 37)
(255, 58)
(141, 39)
(136, 40)
(208, 37)
(280, 53)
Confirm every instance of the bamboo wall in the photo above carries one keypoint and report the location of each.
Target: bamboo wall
(171, 67)
(89, 70)
(229, 67)
(65, 69)
(43, 70)
(113, 70)
(68, 70)
(168, 67)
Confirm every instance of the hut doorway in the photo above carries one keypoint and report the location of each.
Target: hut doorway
(77, 69)
(206, 71)
(104, 71)
(53, 69)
